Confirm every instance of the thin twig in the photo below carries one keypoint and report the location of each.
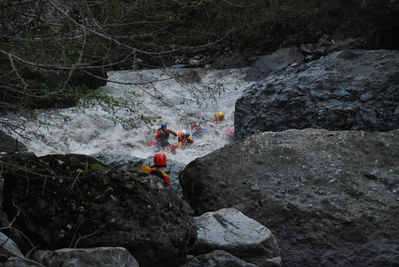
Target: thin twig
(16, 71)
(74, 181)
(89, 235)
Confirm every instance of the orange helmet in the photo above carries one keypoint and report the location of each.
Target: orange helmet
(160, 160)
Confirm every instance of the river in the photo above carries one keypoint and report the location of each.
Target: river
(177, 97)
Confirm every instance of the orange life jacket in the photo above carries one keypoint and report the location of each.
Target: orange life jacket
(160, 174)
(218, 119)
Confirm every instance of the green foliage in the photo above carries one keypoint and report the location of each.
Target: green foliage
(96, 166)
(90, 167)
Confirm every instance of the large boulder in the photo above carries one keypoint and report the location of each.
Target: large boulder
(330, 198)
(62, 201)
(347, 90)
(230, 230)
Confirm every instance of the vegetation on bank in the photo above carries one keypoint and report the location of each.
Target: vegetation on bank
(49, 49)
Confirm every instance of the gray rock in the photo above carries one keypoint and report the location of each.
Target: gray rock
(232, 231)
(179, 60)
(348, 43)
(10, 255)
(274, 62)
(347, 90)
(217, 258)
(330, 198)
(86, 257)
(179, 66)
(307, 48)
(193, 63)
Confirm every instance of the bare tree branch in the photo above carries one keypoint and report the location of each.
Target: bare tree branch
(16, 71)
(44, 66)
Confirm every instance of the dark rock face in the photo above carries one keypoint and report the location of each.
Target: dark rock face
(71, 201)
(347, 90)
(68, 88)
(276, 61)
(92, 79)
(330, 198)
(79, 81)
(9, 144)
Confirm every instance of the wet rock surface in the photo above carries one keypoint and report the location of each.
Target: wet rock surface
(62, 201)
(274, 62)
(102, 256)
(347, 90)
(330, 198)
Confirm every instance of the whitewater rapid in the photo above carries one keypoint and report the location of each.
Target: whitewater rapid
(177, 97)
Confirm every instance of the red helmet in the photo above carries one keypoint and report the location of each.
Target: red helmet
(160, 160)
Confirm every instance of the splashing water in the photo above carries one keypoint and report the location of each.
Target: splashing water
(177, 97)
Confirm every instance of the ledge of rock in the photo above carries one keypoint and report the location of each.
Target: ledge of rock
(330, 198)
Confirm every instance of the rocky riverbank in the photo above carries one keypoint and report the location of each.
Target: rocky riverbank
(292, 197)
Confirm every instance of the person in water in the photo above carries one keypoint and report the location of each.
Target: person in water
(219, 118)
(162, 136)
(197, 130)
(184, 139)
(160, 163)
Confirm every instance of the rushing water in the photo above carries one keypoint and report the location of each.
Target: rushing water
(177, 97)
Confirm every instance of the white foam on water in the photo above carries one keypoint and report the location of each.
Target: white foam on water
(177, 97)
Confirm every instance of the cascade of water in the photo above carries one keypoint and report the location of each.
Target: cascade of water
(177, 97)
